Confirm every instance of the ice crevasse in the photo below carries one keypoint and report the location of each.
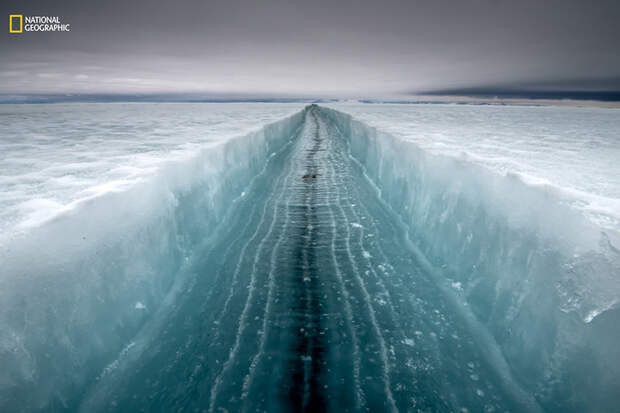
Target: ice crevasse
(532, 274)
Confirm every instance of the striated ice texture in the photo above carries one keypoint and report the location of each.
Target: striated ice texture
(315, 264)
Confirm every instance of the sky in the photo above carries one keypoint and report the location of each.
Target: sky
(312, 48)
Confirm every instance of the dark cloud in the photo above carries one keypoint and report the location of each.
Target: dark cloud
(311, 47)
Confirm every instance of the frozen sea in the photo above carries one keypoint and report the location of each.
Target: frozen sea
(284, 257)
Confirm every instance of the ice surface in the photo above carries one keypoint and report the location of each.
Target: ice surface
(572, 152)
(187, 269)
(52, 157)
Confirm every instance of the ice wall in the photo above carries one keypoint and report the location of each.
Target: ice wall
(543, 280)
(74, 291)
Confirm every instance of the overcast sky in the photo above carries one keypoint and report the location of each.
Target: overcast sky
(312, 47)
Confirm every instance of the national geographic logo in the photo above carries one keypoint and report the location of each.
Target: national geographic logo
(18, 23)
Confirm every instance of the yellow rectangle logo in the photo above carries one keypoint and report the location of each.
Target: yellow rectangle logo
(16, 28)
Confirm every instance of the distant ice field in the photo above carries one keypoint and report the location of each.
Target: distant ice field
(574, 152)
(52, 157)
